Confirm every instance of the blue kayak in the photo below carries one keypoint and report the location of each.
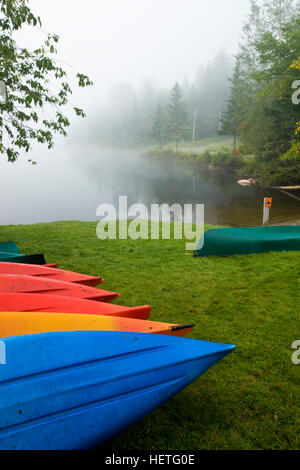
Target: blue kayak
(75, 390)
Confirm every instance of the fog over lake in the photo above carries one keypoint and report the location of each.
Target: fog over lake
(134, 52)
(70, 182)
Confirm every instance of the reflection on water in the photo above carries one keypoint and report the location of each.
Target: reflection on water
(71, 181)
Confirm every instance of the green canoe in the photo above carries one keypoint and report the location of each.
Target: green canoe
(10, 253)
(25, 259)
(243, 241)
(9, 247)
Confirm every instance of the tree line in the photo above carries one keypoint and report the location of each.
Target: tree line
(154, 115)
(255, 106)
(261, 113)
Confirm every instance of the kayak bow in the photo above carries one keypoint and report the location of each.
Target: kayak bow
(75, 390)
(50, 273)
(29, 323)
(14, 302)
(29, 284)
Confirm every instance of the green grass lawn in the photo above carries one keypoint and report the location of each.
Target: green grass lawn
(212, 144)
(251, 399)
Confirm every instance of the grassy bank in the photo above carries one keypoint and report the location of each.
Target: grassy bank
(221, 161)
(212, 144)
(250, 400)
(216, 155)
(211, 154)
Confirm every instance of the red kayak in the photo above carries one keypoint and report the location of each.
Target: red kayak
(35, 285)
(48, 272)
(57, 304)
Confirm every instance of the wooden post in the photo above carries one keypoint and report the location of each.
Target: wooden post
(267, 206)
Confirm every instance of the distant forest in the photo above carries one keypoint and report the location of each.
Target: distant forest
(253, 97)
(132, 117)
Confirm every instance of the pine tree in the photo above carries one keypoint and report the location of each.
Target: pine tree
(209, 94)
(177, 116)
(278, 12)
(158, 131)
(231, 119)
(260, 105)
(268, 16)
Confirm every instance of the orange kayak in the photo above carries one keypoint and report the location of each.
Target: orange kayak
(49, 273)
(27, 323)
(14, 302)
(35, 285)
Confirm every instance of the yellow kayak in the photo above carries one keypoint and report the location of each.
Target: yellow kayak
(27, 323)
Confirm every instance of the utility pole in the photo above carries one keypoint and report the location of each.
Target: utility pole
(194, 126)
(220, 116)
(124, 134)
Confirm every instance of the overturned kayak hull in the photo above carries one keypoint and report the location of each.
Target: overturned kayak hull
(29, 323)
(49, 273)
(34, 285)
(25, 259)
(11, 302)
(243, 241)
(76, 390)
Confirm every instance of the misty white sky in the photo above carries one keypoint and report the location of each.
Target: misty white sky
(130, 40)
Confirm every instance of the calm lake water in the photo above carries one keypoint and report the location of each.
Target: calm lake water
(71, 181)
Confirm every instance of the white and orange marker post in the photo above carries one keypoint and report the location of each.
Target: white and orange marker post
(267, 206)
